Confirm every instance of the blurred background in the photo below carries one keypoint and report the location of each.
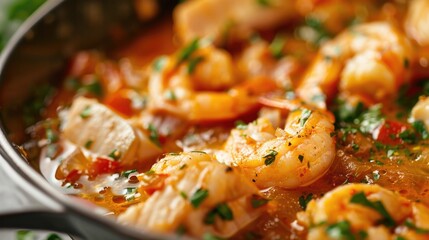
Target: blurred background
(12, 14)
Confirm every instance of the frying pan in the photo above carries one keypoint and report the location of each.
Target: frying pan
(35, 56)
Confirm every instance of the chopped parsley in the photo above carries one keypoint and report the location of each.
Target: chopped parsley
(276, 46)
(240, 125)
(183, 195)
(258, 201)
(130, 193)
(371, 119)
(193, 62)
(94, 88)
(170, 95)
(355, 147)
(420, 128)
(304, 200)
(346, 112)
(340, 230)
(376, 175)
(319, 30)
(198, 197)
(412, 226)
(88, 144)
(51, 136)
(305, 115)
(115, 154)
(128, 172)
(86, 112)
(408, 136)
(153, 135)
(270, 157)
(263, 3)
(222, 210)
(187, 51)
(360, 198)
(159, 63)
(209, 236)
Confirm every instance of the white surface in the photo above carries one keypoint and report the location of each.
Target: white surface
(13, 199)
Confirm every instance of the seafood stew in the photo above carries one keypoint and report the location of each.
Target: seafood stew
(250, 119)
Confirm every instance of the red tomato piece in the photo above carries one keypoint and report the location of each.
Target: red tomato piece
(121, 103)
(389, 131)
(73, 176)
(102, 166)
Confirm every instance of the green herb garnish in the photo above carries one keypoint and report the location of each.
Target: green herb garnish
(360, 198)
(159, 63)
(224, 211)
(258, 201)
(419, 126)
(198, 197)
(304, 200)
(130, 194)
(193, 62)
(209, 236)
(305, 115)
(340, 230)
(412, 226)
(86, 112)
(270, 157)
(187, 52)
(128, 172)
(263, 3)
(276, 46)
(170, 95)
(88, 144)
(153, 135)
(115, 154)
(240, 125)
(183, 195)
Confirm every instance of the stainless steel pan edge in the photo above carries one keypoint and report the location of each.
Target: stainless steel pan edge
(59, 212)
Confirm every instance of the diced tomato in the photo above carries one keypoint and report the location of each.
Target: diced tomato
(121, 103)
(73, 176)
(389, 131)
(102, 166)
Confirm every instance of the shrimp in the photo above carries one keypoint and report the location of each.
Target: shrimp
(199, 196)
(417, 21)
(374, 54)
(257, 60)
(216, 18)
(295, 156)
(362, 209)
(185, 87)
